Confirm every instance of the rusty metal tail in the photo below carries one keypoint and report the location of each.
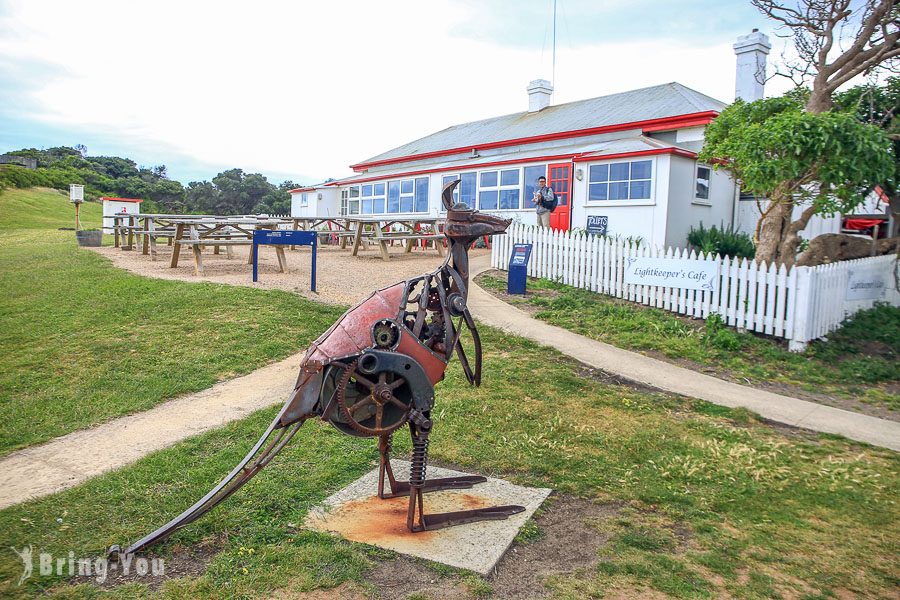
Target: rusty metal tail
(259, 456)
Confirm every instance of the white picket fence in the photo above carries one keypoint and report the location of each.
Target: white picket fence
(799, 304)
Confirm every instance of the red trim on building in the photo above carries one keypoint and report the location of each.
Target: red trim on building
(306, 189)
(555, 157)
(122, 199)
(675, 151)
(663, 124)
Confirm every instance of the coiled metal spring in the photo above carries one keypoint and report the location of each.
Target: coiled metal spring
(419, 461)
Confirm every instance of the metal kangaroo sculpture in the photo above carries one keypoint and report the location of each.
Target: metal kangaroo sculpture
(373, 372)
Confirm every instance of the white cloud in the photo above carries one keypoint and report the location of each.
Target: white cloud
(306, 88)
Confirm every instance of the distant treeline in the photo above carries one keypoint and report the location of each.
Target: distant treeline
(229, 193)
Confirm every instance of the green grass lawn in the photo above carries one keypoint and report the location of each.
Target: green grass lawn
(707, 501)
(858, 361)
(764, 514)
(82, 342)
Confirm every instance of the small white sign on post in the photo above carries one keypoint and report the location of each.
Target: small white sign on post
(866, 283)
(76, 193)
(673, 272)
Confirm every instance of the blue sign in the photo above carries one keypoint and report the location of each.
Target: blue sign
(276, 237)
(518, 268)
(597, 224)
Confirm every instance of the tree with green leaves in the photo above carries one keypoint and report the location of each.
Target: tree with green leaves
(795, 151)
(879, 105)
(824, 162)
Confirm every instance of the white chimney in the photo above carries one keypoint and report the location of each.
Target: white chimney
(750, 77)
(539, 92)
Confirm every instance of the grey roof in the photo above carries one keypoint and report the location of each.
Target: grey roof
(656, 102)
(592, 150)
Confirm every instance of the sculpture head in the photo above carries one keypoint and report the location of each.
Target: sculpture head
(465, 225)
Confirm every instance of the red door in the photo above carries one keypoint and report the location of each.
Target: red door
(560, 181)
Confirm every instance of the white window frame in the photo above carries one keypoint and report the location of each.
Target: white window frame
(304, 199)
(697, 199)
(374, 197)
(654, 175)
(410, 196)
(499, 188)
(354, 202)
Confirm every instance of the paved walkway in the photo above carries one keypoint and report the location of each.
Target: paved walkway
(74, 458)
(671, 378)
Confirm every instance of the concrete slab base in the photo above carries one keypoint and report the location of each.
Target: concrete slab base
(357, 514)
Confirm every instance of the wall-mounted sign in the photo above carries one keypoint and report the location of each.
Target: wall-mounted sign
(672, 272)
(597, 224)
(866, 284)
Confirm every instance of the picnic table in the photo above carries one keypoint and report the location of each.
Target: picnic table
(381, 230)
(221, 232)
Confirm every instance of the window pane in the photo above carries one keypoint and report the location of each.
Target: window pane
(406, 204)
(378, 206)
(618, 172)
(599, 173)
(367, 190)
(422, 194)
(467, 189)
(367, 206)
(354, 192)
(640, 169)
(618, 191)
(489, 179)
(393, 204)
(394, 191)
(509, 177)
(640, 190)
(531, 175)
(703, 174)
(407, 186)
(354, 207)
(509, 199)
(448, 179)
(487, 200)
(379, 189)
(598, 191)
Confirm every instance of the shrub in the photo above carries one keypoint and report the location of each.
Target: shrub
(722, 241)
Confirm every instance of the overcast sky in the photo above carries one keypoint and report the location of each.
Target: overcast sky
(301, 90)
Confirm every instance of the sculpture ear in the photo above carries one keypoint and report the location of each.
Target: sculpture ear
(447, 194)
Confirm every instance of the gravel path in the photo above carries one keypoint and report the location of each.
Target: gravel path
(341, 278)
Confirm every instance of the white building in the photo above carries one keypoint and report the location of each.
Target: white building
(118, 206)
(629, 157)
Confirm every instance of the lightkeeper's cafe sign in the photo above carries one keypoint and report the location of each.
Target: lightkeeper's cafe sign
(673, 273)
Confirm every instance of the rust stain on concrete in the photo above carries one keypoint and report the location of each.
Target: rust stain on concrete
(383, 522)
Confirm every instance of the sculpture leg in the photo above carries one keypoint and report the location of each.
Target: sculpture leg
(401, 488)
(384, 467)
(272, 441)
(416, 519)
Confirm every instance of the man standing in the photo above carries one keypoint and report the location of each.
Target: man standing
(544, 201)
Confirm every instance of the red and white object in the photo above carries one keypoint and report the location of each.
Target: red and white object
(115, 206)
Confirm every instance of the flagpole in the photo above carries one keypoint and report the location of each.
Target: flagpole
(554, 43)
